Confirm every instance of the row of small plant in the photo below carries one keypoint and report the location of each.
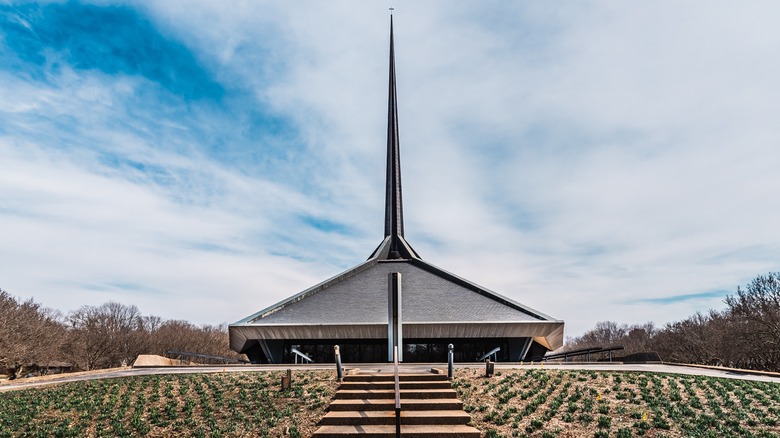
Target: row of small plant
(199, 405)
(548, 403)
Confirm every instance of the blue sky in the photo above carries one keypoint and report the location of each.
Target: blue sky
(204, 160)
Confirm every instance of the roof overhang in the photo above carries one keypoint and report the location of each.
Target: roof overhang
(547, 333)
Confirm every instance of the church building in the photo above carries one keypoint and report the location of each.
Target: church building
(395, 298)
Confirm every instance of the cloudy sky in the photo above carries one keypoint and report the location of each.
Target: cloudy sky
(206, 159)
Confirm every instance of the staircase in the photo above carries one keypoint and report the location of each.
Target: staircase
(364, 405)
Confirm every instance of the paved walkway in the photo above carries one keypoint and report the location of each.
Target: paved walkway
(406, 368)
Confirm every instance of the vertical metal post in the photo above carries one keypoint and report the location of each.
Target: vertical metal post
(338, 363)
(450, 360)
(394, 317)
(397, 394)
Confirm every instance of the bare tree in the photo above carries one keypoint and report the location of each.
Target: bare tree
(107, 335)
(756, 314)
(639, 338)
(174, 335)
(29, 333)
(634, 338)
(604, 334)
(92, 337)
(695, 339)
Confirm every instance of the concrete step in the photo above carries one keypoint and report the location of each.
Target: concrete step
(441, 417)
(380, 377)
(390, 393)
(388, 404)
(404, 384)
(413, 431)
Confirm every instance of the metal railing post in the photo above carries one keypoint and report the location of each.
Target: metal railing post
(339, 371)
(450, 360)
(397, 393)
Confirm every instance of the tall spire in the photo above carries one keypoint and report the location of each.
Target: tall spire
(393, 246)
(394, 212)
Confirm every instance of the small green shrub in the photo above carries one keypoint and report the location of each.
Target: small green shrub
(492, 433)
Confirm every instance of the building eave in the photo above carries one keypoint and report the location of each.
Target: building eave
(548, 333)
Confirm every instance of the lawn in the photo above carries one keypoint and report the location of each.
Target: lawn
(555, 403)
(525, 402)
(198, 405)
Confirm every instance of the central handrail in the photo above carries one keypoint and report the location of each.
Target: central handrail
(397, 394)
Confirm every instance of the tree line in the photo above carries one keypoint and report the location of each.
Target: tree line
(92, 337)
(746, 334)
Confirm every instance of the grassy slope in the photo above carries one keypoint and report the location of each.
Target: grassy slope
(547, 403)
(223, 404)
(532, 402)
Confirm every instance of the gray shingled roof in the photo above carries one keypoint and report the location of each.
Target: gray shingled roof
(436, 304)
(362, 299)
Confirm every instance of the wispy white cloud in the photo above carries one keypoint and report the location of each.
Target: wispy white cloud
(594, 162)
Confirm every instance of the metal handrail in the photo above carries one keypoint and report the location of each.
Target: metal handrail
(183, 354)
(490, 353)
(397, 393)
(583, 352)
(301, 355)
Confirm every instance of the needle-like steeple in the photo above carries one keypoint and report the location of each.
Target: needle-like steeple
(394, 245)
(394, 210)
